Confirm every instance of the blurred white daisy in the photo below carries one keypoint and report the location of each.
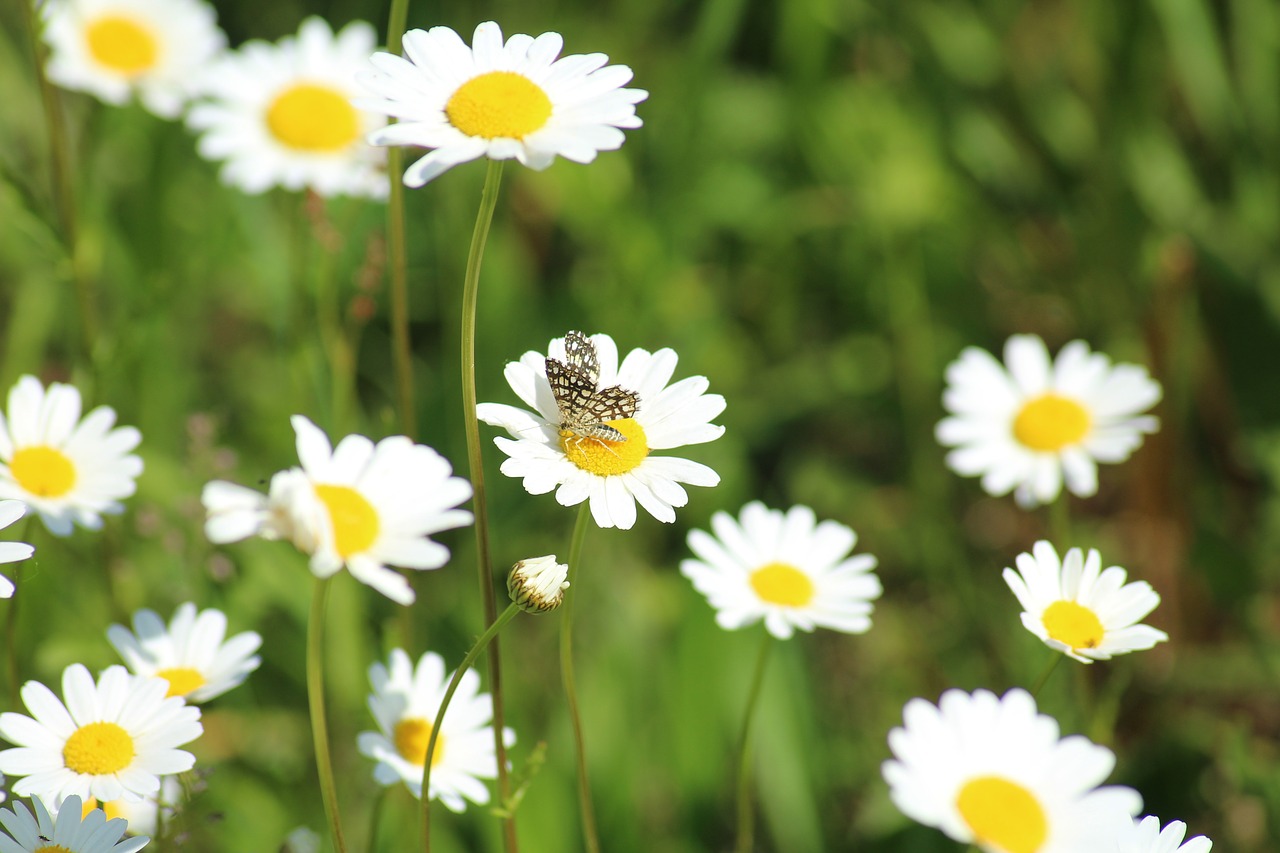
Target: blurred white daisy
(114, 48)
(191, 654)
(281, 114)
(1145, 836)
(111, 740)
(1026, 425)
(142, 815)
(496, 100)
(66, 469)
(11, 552)
(992, 772)
(786, 568)
(404, 701)
(1079, 609)
(73, 830)
(612, 475)
(362, 505)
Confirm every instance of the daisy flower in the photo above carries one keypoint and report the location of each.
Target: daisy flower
(11, 552)
(1030, 423)
(73, 830)
(612, 474)
(281, 114)
(142, 815)
(362, 505)
(1079, 609)
(992, 772)
(192, 654)
(111, 740)
(115, 48)
(537, 584)
(66, 469)
(404, 701)
(785, 568)
(1145, 836)
(501, 101)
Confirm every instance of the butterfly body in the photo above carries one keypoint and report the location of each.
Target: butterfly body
(584, 407)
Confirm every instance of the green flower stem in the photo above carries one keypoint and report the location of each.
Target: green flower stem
(481, 644)
(589, 834)
(746, 826)
(1048, 671)
(475, 459)
(397, 257)
(315, 697)
(1060, 523)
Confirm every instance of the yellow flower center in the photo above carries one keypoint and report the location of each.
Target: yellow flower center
(122, 44)
(782, 584)
(603, 457)
(412, 736)
(499, 104)
(313, 117)
(98, 749)
(43, 471)
(53, 848)
(1073, 625)
(112, 810)
(182, 680)
(1003, 814)
(1049, 423)
(355, 521)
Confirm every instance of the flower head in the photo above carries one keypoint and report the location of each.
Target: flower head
(11, 552)
(190, 654)
(991, 771)
(538, 584)
(1030, 423)
(1076, 607)
(1145, 836)
(512, 100)
(785, 568)
(612, 474)
(405, 701)
(115, 48)
(361, 505)
(69, 470)
(73, 829)
(111, 740)
(281, 114)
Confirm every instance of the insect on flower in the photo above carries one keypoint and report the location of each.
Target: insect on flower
(583, 407)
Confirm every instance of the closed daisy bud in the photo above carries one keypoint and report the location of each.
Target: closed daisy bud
(538, 584)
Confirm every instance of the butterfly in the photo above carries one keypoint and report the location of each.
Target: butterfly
(584, 407)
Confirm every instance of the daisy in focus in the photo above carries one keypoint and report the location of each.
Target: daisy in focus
(73, 829)
(281, 114)
(113, 49)
(111, 740)
(361, 505)
(404, 701)
(68, 470)
(991, 771)
(512, 100)
(1029, 424)
(578, 462)
(11, 552)
(1079, 609)
(785, 568)
(191, 654)
(1146, 837)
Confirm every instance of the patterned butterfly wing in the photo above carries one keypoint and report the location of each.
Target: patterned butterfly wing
(580, 352)
(582, 408)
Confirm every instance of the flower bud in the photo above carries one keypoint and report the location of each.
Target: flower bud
(537, 584)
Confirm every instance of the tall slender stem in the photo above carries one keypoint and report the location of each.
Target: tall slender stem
(589, 835)
(1048, 671)
(438, 723)
(397, 260)
(315, 698)
(475, 459)
(746, 825)
(1060, 524)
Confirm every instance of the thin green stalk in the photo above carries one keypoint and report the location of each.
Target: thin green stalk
(315, 697)
(481, 644)
(475, 459)
(375, 819)
(589, 835)
(1060, 523)
(397, 256)
(746, 826)
(1048, 671)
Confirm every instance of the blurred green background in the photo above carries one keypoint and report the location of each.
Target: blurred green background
(828, 201)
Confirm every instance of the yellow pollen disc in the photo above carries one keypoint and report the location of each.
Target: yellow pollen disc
(182, 680)
(313, 117)
(499, 104)
(1003, 814)
(355, 521)
(603, 457)
(43, 471)
(1073, 625)
(412, 736)
(1049, 423)
(122, 44)
(98, 749)
(53, 848)
(782, 584)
